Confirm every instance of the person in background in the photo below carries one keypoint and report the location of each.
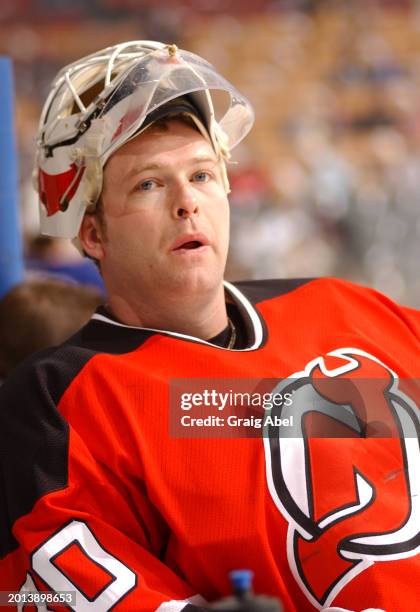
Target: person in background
(39, 313)
(58, 258)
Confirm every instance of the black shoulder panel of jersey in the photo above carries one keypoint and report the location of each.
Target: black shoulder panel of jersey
(33, 434)
(114, 339)
(261, 290)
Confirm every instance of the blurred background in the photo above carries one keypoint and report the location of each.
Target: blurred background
(328, 182)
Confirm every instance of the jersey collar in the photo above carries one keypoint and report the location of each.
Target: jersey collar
(250, 316)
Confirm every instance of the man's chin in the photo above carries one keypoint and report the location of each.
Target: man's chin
(195, 282)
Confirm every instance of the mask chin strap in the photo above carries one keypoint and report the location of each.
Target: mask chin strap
(93, 179)
(93, 146)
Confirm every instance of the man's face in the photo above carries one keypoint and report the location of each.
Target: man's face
(166, 216)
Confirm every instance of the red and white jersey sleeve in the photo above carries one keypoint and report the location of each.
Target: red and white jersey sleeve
(80, 528)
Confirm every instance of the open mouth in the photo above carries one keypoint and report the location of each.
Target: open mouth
(192, 244)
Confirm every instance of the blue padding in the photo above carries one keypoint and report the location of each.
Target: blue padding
(11, 260)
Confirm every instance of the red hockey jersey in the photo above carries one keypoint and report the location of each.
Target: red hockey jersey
(114, 486)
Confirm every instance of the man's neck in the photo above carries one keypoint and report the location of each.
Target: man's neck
(199, 316)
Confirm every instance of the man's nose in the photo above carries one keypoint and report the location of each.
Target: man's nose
(185, 203)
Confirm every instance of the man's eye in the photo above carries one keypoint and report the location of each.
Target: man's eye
(146, 185)
(202, 176)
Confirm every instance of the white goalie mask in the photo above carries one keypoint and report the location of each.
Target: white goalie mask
(101, 101)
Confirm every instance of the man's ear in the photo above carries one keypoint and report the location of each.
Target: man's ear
(92, 236)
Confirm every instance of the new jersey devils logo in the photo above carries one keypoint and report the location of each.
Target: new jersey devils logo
(352, 499)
